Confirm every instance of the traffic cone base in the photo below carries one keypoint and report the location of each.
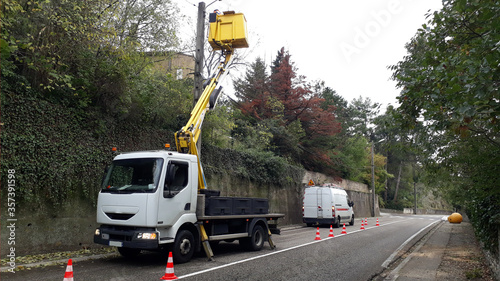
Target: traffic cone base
(317, 235)
(169, 271)
(68, 275)
(331, 232)
(343, 230)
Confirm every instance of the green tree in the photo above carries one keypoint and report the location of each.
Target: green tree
(83, 53)
(449, 85)
(218, 125)
(362, 112)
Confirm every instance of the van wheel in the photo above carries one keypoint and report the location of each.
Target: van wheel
(183, 247)
(337, 223)
(352, 220)
(256, 241)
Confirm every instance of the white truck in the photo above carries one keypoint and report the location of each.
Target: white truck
(327, 205)
(158, 200)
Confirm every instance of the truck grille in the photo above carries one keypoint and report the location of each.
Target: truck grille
(122, 217)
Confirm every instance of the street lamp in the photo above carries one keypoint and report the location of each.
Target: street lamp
(374, 198)
(373, 181)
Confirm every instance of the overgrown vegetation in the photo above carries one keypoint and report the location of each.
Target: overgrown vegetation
(450, 100)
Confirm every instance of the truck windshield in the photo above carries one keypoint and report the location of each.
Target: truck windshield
(133, 175)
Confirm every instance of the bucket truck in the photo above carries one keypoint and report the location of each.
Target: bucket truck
(158, 200)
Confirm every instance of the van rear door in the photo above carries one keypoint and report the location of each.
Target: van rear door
(321, 203)
(327, 203)
(311, 202)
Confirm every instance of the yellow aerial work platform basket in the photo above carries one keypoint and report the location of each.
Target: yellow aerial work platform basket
(228, 31)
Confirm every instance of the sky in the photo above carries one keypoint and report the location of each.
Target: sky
(346, 44)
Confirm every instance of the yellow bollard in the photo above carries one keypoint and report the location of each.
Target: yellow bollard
(455, 218)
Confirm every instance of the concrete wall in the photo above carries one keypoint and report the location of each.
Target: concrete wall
(41, 229)
(426, 211)
(282, 199)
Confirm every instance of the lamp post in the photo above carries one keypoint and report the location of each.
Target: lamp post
(373, 181)
(374, 195)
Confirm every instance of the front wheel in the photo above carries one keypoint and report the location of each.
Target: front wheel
(183, 247)
(256, 241)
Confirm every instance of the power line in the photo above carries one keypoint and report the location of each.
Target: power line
(190, 3)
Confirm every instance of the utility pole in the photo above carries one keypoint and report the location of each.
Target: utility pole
(373, 182)
(415, 196)
(199, 57)
(415, 179)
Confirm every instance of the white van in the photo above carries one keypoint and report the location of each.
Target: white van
(327, 205)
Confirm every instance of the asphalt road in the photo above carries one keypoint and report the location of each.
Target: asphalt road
(358, 255)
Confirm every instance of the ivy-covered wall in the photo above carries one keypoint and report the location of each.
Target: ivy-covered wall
(52, 161)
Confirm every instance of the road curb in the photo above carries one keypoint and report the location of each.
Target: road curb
(56, 262)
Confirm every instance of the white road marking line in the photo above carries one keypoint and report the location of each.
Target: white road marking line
(394, 275)
(279, 251)
(391, 257)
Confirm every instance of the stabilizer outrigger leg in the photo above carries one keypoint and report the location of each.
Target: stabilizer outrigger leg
(269, 239)
(206, 244)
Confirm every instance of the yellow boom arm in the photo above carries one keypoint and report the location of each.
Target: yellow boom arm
(227, 32)
(187, 138)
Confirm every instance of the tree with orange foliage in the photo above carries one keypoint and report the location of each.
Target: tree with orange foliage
(301, 125)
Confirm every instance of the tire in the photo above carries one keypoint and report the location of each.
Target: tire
(129, 252)
(184, 247)
(256, 241)
(352, 220)
(337, 223)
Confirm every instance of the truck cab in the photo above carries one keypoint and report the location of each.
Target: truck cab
(145, 199)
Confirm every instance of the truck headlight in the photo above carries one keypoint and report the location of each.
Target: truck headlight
(97, 232)
(146, 235)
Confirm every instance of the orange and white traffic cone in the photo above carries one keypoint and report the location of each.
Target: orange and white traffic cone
(331, 232)
(343, 230)
(169, 271)
(317, 234)
(366, 221)
(68, 276)
(362, 226)
(377, 223)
